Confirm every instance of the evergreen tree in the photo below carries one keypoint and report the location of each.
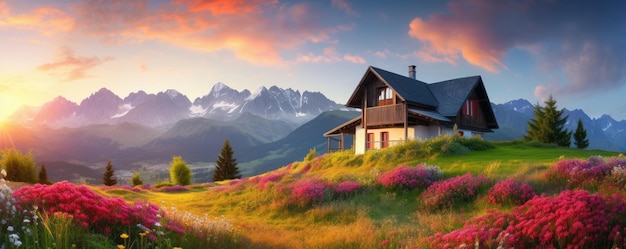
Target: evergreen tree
(180, 173)
(135, 180)
(43, 176)
(226, 164)
(20, 167)
(580, 136)
(109, 175)
(548, 125)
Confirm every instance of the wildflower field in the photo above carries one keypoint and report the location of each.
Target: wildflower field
(440, 193)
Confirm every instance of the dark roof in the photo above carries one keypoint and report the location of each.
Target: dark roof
(451, 94)
(409, 89)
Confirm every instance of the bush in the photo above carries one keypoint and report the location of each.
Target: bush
(511, 192)
(347, 188)
(135, 180)
(573, 219)
(405, 177)
(89, 209)
(577, 173)
(476, 144)
(180, 174)
(20, 167)
(453, 191)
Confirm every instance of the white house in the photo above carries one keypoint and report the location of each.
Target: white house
(397, 108)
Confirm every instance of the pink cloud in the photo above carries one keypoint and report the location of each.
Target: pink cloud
(343, 5)
(330, 55)
(569, 37)
(356, 59)
(47, 21)
(255, 31)
(71, 67)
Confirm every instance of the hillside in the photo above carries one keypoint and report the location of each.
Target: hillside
(311, 204)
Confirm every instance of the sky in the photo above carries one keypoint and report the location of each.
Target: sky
(573, 50)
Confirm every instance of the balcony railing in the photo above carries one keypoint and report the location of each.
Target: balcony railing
(385, 115)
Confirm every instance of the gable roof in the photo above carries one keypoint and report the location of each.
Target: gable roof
(453, 93)
(408, 89)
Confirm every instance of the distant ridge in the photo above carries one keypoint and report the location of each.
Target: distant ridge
(164, 109)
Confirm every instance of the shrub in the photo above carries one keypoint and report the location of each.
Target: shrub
(510, 192)
(89, 209)
(573, 219)
(405, 177)
(135, 179)
(307, 192)
(347, 188)
(264, 182)
(20, 167)
(476, 144)
(180, 174)
(163, 184)
(453, 191)
(577, 173)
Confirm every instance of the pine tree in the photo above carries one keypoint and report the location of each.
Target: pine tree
(226, 165)
(109, 175)
(548, 125)
(43, 176)
(580, 136)
(180, 173)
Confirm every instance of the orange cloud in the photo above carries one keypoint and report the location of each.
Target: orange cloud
(71, 67)
(226, 7)
(44, 20)
(255, 31)
(447, 41)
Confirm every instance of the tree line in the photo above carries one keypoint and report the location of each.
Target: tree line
(548, 126)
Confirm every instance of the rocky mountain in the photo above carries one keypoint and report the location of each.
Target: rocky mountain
(604, 133)
(164, 109)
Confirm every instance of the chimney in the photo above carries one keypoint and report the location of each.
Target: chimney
(412, 71)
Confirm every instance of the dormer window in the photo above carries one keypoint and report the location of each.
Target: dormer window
(470, 108)
(385, 96)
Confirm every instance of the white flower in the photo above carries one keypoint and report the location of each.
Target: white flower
(26, 220)
(10, 228)
(157, 224)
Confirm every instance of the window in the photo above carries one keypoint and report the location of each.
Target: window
(384, 139)
(385, 96)
(370, 141)
(470, 108)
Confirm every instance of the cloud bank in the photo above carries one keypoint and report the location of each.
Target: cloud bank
(565, 37)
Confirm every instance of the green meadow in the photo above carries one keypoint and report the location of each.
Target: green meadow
(266, 211)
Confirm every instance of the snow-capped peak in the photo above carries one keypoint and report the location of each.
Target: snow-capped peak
(172, 93)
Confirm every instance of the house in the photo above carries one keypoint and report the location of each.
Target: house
(396, 108)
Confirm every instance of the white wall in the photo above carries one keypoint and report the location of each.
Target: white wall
(396, 135)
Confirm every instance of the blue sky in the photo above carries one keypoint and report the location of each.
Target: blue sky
(573, 50)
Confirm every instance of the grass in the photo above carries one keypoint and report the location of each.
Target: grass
(373, 217)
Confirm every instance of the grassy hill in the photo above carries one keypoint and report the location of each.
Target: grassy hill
(337, 200)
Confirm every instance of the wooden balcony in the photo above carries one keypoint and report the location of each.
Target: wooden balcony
(385, 115)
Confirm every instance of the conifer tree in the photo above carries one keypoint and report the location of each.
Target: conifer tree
(580, 136)
(43, 176)
(548, 125)
(109, 175)
(226, 164)
(180, 173)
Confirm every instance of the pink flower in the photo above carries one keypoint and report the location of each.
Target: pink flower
(384, 243)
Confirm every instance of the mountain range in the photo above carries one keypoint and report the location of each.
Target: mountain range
(166, 108)
(267, 129)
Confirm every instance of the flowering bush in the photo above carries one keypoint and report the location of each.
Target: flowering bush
(573, 219)
(405, 177)
(307, 192)
(450, 192)
(510, 191)
(88, 209)
(264, 182)
(347, 188)
(577, 173)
